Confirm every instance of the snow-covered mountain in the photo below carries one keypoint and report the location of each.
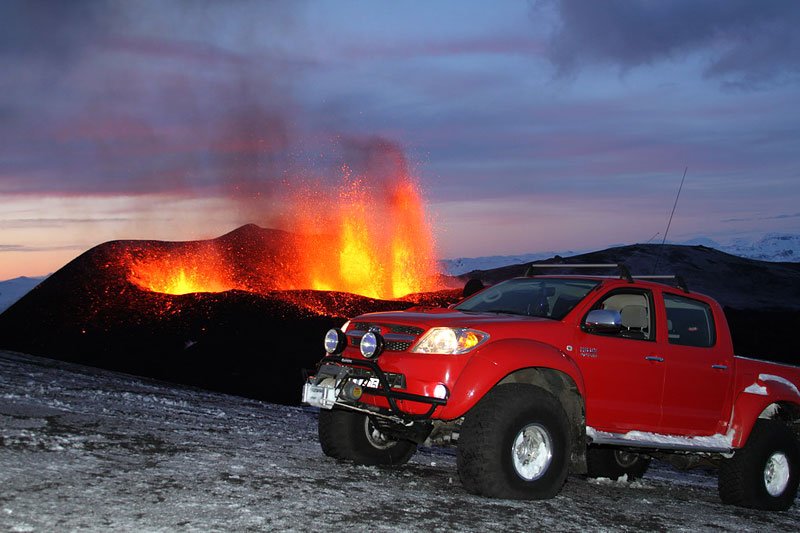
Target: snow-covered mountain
(779, 247)
(13, 289)
(771, 247)
(462, 265)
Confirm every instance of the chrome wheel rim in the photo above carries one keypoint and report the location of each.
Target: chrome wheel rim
(776, 474)
(532, 452)
(375, 437)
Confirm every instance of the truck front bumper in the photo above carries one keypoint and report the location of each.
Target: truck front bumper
(337, 377)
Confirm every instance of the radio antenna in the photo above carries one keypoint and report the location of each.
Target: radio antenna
(669, 223)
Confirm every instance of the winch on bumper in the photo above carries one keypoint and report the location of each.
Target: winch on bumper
(342, 382)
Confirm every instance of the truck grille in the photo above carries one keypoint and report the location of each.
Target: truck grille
(392, 328)
(398, 346)
(398, 338)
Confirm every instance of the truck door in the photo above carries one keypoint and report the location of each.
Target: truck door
(623, 372)
(698, 379)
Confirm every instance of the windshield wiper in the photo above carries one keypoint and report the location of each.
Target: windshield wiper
(504, 312)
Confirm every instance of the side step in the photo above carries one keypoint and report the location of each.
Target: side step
(639, 439)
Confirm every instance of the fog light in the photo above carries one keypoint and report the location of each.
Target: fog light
(372, 345)
(335, 341)
(440, 391)
(352, 391)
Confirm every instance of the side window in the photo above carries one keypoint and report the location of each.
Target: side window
(635, 311)
(690, 322)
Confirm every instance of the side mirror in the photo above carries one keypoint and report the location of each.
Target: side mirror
(472, 286)
(603, 321)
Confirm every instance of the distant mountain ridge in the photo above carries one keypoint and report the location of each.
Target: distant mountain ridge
(733, 281)
(773, 247)
(12, 290)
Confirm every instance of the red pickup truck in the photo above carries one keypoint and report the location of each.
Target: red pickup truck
(540, 376)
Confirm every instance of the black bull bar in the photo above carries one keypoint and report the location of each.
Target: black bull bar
(385, 390)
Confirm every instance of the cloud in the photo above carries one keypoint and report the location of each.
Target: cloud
(105, 98)
(50, 31)
(55, 222)
(783, 216)
(494, 46)
(26, 248)
(746, 43)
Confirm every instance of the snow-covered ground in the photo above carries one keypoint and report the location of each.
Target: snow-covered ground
(92, 450)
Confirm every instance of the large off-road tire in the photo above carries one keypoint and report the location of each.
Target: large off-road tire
(765, 473)
(351, 436)
(514, 444)
(614, 463)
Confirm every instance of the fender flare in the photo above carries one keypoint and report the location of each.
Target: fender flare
(751, 402)
(494, 362)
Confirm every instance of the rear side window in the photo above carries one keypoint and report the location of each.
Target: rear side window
(690, 322)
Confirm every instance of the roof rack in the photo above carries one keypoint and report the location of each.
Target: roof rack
(679, 281)
(624, 272)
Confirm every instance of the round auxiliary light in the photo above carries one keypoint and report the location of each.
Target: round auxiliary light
(372, 345)
(440, 391)
(335, 341)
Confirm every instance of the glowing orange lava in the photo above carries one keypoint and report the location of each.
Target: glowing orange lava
(375, 241)
(184, 273)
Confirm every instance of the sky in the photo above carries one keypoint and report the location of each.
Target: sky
(530, 125)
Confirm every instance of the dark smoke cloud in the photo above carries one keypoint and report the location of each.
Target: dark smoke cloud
(746, 43)
(108, 98)
(381, 159)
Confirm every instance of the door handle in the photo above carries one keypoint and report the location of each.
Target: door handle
(719, 367)
(656, 358)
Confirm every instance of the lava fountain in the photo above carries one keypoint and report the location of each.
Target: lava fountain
(372, 241)
(368, 239)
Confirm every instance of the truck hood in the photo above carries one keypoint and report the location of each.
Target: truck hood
(435, 317)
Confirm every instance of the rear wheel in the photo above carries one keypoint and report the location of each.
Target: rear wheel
(765, 473)
(514, 444)
(614, 463)
(352, 436)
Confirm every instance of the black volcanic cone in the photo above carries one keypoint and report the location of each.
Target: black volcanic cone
(249, 343)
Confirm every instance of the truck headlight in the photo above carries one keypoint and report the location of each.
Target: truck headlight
(450, 341)
(335, 341)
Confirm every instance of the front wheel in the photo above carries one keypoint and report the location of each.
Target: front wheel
(765, 473)
(352, 436)
(514, 444)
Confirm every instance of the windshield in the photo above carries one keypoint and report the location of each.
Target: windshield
(542, 297)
